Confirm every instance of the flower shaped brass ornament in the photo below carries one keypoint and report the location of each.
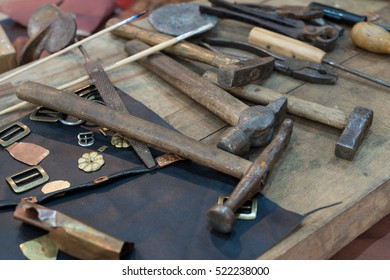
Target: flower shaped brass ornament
(90, 162)
(119, 141)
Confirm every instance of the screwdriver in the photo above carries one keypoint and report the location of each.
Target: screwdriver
(294, 48)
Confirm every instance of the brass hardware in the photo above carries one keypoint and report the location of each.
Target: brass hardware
(86, 139)
(102, 149)
(41, 248)
(55, 186)
(42, 114)
(13, 133)
(103, 131)
(90, 162)
(247, 212)
(32, 177)
(119, 141)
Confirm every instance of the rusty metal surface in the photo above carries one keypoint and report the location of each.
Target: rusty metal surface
(222, 217)
(177, 19)
(71, 236)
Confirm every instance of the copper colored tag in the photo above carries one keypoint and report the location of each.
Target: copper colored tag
(55, 186)
(27, 153)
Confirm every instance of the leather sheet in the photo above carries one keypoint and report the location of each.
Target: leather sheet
(162, 212)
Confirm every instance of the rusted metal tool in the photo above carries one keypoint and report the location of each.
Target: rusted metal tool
(252, 126)
(232, 72)
(298, 69)
(290, 11)
(49, 29)
(162, 138)
(355, 125)
(324, 37)
(72, 236)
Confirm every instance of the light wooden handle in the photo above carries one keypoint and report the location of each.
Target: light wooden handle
(371, 37)
(285, 45)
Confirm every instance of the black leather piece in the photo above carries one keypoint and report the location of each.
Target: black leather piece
(162, 212)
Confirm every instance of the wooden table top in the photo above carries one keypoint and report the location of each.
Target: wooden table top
(309, 175)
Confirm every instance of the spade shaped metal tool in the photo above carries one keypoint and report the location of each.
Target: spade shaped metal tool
(49, 29)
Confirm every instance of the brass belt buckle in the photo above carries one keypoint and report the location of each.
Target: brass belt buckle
(27, 179)
(247, 212)
(13, 133)
(42, 114)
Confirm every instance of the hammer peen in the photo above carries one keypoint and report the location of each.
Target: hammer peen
(232, 71)
(251, 126)
(251, 174)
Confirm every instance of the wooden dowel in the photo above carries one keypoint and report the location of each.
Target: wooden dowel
(122, 62)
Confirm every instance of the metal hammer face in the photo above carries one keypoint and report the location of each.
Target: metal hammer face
(353, 134)
(245, 72)
(255, 127)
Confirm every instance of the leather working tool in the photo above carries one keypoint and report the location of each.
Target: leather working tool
(298, 69)
(232, 72)
(294, 48)
(111, 98)
(49, 29)
(355, 126)
(371, 37)
(252, 126)
(163, 138)
(324, 37)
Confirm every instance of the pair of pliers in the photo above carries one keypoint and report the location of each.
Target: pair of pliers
(299, 69)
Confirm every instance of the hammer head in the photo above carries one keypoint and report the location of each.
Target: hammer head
(353, 134)
(255, 127)
(244, 72)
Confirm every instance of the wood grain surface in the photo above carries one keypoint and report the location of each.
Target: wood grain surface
(309, 175)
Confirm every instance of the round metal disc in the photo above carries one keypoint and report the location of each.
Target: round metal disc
(177, 19)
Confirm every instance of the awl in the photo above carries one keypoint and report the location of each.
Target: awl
(293, 48)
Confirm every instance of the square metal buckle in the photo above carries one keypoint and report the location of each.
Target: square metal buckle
(27, 179)
(247, 212)
(42, 114)
(13, 133)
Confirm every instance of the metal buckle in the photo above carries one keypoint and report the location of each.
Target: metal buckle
(247, 212)
(42, 114)
(13, 133)
(31, 177)
(86, 139)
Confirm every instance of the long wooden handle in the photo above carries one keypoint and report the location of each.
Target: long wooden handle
(202, 91)
(132, 127)
(285, 45)
(297, 106)
(183, 49)
(371, 37)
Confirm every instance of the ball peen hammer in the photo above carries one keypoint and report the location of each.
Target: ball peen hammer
(252, 174)
(232, 71)
(355, 125)
(251, 126)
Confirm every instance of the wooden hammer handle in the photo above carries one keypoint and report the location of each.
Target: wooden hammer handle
(202, 91)
(297, 106)
(133, 127)
(183, 49)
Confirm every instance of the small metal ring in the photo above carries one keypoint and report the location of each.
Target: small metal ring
(62, 119)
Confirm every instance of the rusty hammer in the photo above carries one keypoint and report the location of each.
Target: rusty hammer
(232, 71)
(252, 126)
(252, 174)
(354, 126)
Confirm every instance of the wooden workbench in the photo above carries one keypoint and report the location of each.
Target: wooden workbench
(309, 175)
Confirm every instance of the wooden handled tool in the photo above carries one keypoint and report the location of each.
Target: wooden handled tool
(232, 71)
(251, 174)
(293, 48)
(371, 37)
(252, 126)
(355, 125)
